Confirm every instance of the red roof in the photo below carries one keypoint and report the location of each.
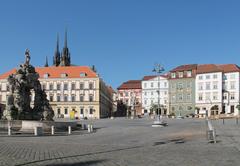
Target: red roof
(185, 67)
(208, 68)
(131, 84)
(227, 68)
(145, 78)
(56, 72)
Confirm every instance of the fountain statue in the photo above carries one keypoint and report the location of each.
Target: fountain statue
(22, 86)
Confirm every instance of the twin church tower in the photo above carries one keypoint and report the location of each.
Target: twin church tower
(61, 59)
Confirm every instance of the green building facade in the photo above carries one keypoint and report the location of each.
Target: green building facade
(182, 90)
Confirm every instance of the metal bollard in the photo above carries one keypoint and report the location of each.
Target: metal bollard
(52, 130)
(223, 121)
(84, 126)
(69, 130)
(89, 128)
(9, 130)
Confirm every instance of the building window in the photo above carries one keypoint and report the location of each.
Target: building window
(224, 77)
(200, 97)
(90, 85)
(65, 86)
(215, 96)
(58, 86)
(232, 76)
(180, 74)
(152, 93)
(58, 98)
(65, 98)
(173, 75)
(200, 86)
(189, 108)
(83, 74)
(51, 87)
(145, 93)
(208, 96)
(189, 96)
(180, 85)
(151, 84)
(158, 84)
(126, 93)
(207, 85)
(200, 77)
(215, 76)
(81, 98)
(91, 111)
(145, 85)
(207, 77)
(91, 98)
(180, 96)
(82, 111)
(145, 102)
(73, 98)
(44, 86)
(225, 96)
(215, 85)
(189, 73)
(189, 84)
(51, 98)
(58, 111)
(232, 85)
(73, 86)
(232, 96)
(65, 111)
(173, 97)
(165, 84)
(225, 85)
(81, 86)
(64, 75)
(46, 75)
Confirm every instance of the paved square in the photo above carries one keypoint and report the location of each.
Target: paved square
(128, 142)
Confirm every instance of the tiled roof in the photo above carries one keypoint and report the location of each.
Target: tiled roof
(131, 84)
(185, 67)
(145, 78)
(56, 72)
(208, 68)
(226, 68)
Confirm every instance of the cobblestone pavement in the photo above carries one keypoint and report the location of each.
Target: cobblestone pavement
(124, 142)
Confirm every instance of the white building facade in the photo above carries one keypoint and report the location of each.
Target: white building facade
(217, 90)
(151, 85)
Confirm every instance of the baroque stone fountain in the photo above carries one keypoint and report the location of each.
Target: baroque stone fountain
(22, 85)
(19, 106)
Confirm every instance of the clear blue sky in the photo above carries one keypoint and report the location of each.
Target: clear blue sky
(122, 38)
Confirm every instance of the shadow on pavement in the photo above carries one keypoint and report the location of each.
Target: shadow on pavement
(80, 155)
(93, 162)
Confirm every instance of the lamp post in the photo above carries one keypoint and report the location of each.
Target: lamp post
(158, 69)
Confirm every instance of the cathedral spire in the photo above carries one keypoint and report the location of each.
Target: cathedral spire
(56, 58)
(46, 63)
(65, 41)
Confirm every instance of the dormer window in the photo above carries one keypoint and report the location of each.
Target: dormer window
(83, 74)
(189, 73)
(173, 75)
(46, 75)
(63, 75)
(180, 74)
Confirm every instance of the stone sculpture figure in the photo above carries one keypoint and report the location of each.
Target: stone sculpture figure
(21, 84)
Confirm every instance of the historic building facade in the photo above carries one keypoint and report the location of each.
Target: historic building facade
(217, 89)
(73, 91)
(182, 90)
(130, 93)
(151, 85)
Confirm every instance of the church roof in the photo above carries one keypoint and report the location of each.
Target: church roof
(57, 72)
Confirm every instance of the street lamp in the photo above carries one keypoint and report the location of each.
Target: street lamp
(158, 69)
